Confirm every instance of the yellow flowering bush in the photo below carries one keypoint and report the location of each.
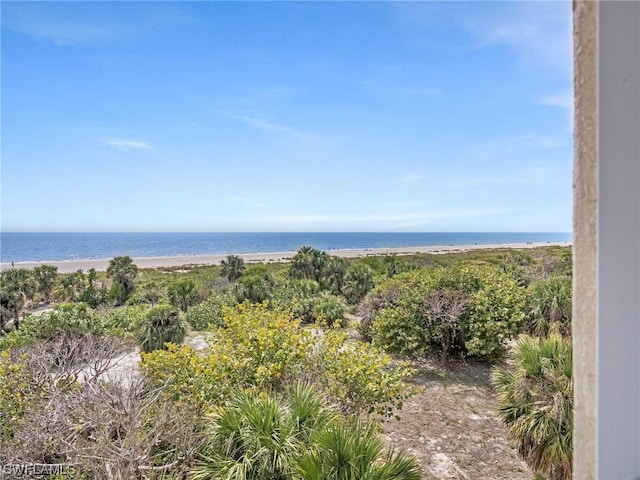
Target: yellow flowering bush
(360, 377)
(257, 348)
(263, 349)
(16, 394)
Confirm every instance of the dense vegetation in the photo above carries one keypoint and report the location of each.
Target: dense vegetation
(277, 342)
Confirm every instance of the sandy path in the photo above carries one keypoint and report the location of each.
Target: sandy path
(67, 266)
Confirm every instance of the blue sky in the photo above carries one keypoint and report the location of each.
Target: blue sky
(274, 116)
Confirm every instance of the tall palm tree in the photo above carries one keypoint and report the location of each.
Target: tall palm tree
(535, 395)
(123, 272)
(45, 276)
(232, 268)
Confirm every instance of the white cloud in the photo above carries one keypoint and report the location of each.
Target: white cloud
(44, 22)
(564, 100)
(285, 132)
(125, 145)
(538, 32)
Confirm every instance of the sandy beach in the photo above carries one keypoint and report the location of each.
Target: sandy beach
(67, 266)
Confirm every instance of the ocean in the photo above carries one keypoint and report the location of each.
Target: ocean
(37, 247)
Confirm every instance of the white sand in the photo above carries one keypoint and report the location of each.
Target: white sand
(67, 266)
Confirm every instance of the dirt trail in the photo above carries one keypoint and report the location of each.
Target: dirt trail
(452, 427)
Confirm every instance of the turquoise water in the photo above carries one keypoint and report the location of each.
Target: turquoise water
(23, 247)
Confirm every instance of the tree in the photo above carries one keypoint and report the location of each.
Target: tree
(308, 263)
(183, 294)
(45, 276)
(535, 394)
(333, 274)
(443, 310)
(94, 295)
(161, 324)
(11, 303)
(232, 268)
(408, 324)
(71, 286)
(17, 285)
(254, 288)
(395, 265)
(357, 282)
(123, 272)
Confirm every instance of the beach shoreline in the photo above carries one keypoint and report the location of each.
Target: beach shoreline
(68, 266)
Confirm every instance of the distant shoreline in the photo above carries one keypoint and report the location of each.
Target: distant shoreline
(68, 266)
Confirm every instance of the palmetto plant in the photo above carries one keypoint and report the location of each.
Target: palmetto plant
(267, 438)
(549, 303)
(357, 282)
(183, 294)
(261, 438)
(123, 272)
(232, 268)
(350, 451)
(536, 402)
(161, 324)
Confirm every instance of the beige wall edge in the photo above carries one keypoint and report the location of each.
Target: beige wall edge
(585, 221)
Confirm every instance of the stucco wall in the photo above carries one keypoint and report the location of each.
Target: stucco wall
(585, 221)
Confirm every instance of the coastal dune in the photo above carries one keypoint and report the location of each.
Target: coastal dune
(68, 266)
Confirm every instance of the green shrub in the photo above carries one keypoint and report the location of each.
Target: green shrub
(328, 310)
(161, 325)
(254, 288)
(126, 320)
(263, 348)
(209, 314)
(358, 377)
(259, 348)
(422, 313)
(72, 317)
(17, 391)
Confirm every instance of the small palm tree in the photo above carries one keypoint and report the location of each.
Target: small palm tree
(162, 324)
(535, 397)
(123, 272)
(183, 294)
(265, 438)
(261, 438)
(354, 451)
(232, 268)
(358, 281)
(45, 276)
(549, 303)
